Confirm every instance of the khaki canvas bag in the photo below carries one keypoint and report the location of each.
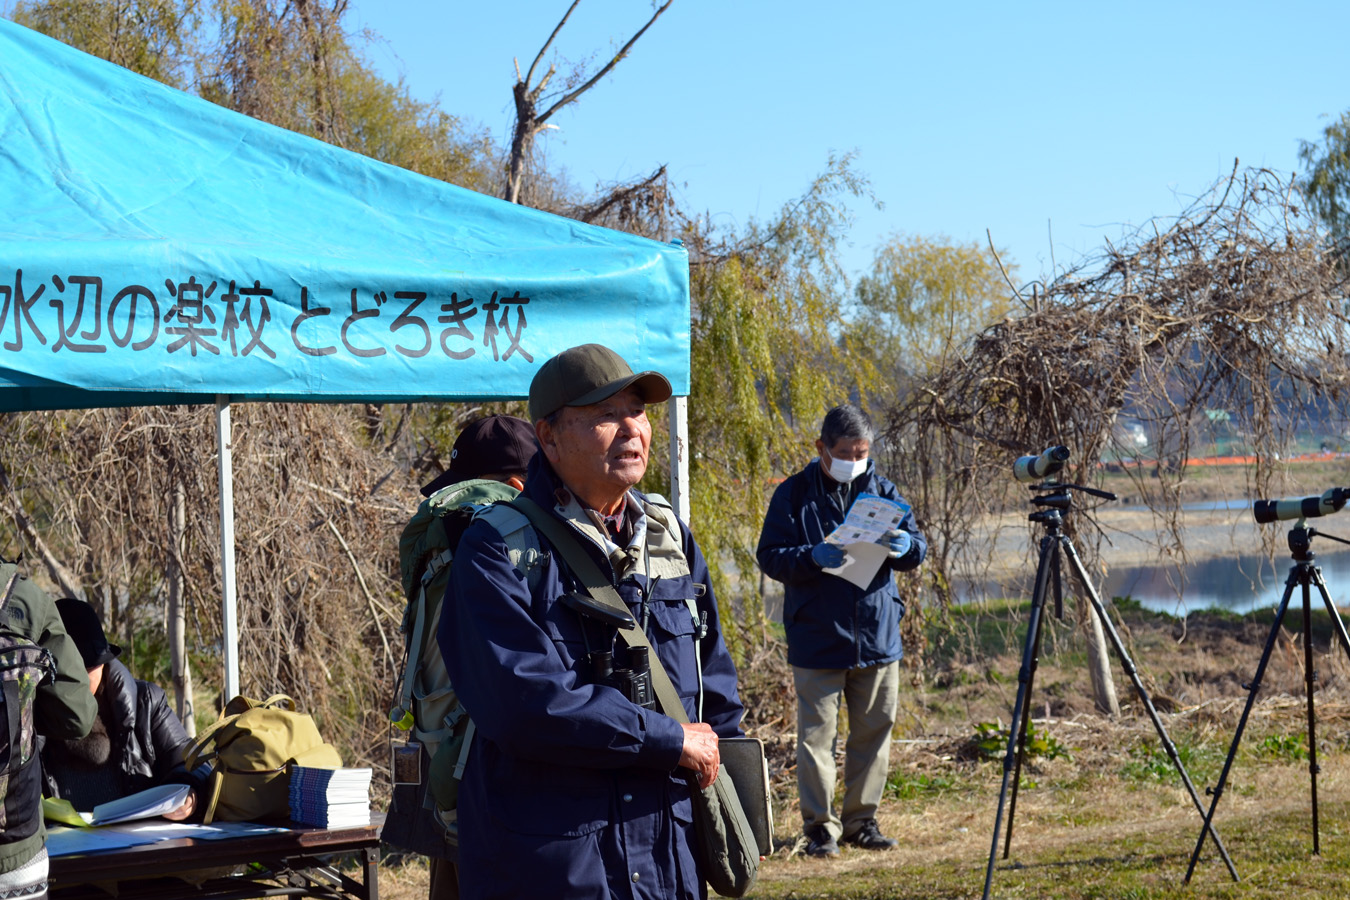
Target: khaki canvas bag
(250, 748)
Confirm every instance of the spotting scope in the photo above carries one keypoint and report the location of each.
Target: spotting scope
(1305, 508)
(1034, 468)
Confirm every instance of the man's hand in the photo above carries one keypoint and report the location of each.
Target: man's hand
(827, 555)
(188, 808)
(700, 752)
(897, 542)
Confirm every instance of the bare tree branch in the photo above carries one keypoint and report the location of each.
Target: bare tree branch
(529, 76)
(526, 94)
(623, 51)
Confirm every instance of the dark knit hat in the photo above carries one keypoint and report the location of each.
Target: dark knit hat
(86, 631)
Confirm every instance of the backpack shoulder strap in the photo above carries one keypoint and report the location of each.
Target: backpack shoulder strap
(569, 548)
(416, 631)
(522, 541)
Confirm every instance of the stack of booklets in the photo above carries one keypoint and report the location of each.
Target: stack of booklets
(330, 798)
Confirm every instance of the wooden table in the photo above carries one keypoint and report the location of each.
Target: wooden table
(291, 863)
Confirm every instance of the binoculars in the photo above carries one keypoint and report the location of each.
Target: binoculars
(634, 682)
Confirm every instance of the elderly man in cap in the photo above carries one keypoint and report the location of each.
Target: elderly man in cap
(572, 789)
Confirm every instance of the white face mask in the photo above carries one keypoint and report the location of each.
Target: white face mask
(845, 470)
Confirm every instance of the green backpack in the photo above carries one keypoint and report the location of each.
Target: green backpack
(24, 667)
(251, 748)
(426, 706)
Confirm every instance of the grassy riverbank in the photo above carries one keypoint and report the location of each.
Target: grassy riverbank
(1101, 812)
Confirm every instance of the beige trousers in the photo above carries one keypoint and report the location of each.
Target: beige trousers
(870, 695)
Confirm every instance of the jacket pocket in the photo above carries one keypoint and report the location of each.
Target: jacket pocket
(565, 630)
(673, 633)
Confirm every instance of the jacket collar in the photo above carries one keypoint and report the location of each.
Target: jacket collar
(544, 487)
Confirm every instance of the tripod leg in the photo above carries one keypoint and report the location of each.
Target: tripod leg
(1252, 690)
(1026, 715)
(1126, 663)
(1309, 688)
(1029, 649)
(1337, 623)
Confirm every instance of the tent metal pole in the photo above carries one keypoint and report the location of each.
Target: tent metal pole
(678, 408)
(230, 623)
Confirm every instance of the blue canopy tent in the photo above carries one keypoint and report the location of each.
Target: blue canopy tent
(158, 249)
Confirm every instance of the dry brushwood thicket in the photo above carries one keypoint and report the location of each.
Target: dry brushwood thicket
(1234, 305)
(319, 503)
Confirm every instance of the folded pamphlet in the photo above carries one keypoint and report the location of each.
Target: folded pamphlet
(862, 535)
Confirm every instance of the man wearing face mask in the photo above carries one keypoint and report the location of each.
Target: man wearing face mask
(843, 641)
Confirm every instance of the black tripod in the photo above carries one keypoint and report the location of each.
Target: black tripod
(1304, 574)
(1048, 576)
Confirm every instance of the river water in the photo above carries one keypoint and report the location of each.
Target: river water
(1239, 584)
(1237, 580)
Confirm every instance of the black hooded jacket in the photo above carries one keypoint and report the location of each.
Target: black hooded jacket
(147, 740)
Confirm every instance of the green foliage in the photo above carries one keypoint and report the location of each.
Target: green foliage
(152, 37)
(1287, 747)
(926, 296)
(1151, 763)
(991, 742)
(1126, 604)
(902, 785)
(1327, 185)
(769, 356)
(385, 123)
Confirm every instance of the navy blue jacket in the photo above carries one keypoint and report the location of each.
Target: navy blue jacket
(570, 789)
(830, 622)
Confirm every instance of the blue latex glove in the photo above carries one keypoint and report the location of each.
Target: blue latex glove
(898, 540)
(827, 555)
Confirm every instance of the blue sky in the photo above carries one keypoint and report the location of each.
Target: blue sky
(1029, 119)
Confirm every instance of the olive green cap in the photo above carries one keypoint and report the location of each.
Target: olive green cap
(588, 374)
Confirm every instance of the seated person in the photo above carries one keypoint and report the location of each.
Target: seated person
(136, 743)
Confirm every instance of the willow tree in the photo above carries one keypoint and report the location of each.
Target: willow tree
(770, 354)
(926, 296)
(1327, 182)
